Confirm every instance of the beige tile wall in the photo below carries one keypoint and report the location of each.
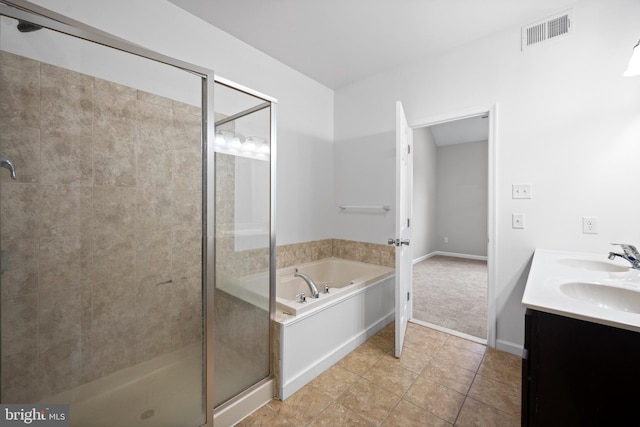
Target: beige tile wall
(298, 253)
(106, 210)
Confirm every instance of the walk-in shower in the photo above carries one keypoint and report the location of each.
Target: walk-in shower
(126, 215)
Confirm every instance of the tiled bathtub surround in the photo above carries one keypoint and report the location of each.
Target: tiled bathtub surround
(101, 233)
(298, 253)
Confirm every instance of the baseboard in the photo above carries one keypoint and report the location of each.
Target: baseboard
(422, 258)
(451, 254)
(509, 347)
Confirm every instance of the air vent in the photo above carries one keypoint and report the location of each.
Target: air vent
(553, 27)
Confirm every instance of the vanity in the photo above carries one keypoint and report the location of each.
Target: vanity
(581, 362)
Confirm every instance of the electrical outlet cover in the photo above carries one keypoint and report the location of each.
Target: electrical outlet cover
(517, 220)
(590, 225)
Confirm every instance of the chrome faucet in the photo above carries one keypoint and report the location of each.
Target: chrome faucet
(310, 282)
(631, 254)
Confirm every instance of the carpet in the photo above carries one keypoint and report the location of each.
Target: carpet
(451, 293)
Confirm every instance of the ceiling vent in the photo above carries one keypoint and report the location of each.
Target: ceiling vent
(553, 27)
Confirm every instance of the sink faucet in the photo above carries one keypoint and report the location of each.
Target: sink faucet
(310, 282)
(631, 254)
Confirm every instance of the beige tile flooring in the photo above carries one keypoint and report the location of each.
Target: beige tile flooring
(440, 380)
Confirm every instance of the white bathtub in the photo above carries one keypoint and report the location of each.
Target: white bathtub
(316, 334)
(341, 275)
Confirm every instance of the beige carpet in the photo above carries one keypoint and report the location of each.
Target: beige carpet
(452, 293)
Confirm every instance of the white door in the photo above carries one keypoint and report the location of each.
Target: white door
(404, 178)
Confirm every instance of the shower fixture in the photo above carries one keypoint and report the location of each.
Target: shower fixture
(27, 27)
(6, 163)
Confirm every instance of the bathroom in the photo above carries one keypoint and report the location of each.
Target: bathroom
(567, 123)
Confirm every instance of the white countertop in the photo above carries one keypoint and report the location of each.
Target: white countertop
(551, 269)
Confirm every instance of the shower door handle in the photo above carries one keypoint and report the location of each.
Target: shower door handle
(6, 163)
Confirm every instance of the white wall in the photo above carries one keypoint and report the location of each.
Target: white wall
(462, 198)
(305, 108)
(365, 175)
(567, 122)
(424, 233)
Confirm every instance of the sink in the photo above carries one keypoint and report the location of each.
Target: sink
(585, 286)
(603, 296)
(592, 265)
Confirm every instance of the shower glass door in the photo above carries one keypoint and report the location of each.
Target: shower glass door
(242, 241)
(101, 232)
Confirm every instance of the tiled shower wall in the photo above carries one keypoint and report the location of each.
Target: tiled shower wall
(101, 232)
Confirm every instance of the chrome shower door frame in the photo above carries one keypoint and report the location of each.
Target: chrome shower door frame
(24, 10)
(237, 401)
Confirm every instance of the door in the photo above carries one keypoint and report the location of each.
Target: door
(404, 174)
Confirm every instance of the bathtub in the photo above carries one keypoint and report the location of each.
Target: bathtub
(317, 333)
(340, 275)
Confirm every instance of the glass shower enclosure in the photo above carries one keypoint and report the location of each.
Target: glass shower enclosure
(244, 246)
(136, 229)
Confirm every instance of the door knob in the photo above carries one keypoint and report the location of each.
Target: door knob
(397, 242)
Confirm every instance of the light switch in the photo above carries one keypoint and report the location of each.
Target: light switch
(521, 191)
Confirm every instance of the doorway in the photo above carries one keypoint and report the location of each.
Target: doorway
(454, 224)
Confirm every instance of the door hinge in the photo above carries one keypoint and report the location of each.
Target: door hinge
(408, 149)
(408, 296)
(408, 222)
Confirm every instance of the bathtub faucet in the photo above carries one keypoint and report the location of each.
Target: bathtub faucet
(310, 282)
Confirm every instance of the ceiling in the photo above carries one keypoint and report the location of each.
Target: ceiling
(337, 42)
(473, 129)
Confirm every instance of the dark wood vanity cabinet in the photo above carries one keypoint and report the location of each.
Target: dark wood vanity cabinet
(578, 373)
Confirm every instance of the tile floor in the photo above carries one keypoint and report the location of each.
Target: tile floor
(440, 380)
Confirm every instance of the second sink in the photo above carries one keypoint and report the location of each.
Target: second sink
(603, 296)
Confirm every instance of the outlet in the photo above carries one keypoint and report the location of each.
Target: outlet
(521, 191)
(590, 225)
(517, 220)
(446, 240)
